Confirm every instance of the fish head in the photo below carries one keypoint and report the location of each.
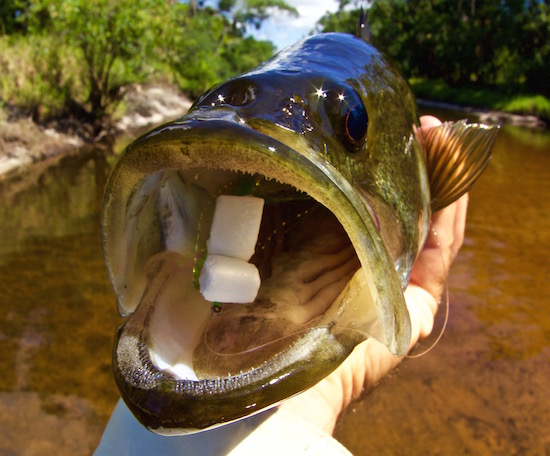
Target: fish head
(323, 134)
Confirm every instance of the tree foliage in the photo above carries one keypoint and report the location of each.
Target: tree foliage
(208, 46)
(10, 13)
(114, 39)
(211, 43)
(492, 43)
(126, 41)
(253, 12)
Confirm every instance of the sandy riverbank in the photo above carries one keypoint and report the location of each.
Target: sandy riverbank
(23, 142)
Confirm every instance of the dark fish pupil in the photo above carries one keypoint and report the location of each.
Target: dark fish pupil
(356, 124)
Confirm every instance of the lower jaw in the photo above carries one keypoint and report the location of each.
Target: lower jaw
(171, 406)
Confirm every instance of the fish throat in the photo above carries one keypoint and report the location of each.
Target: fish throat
(302, 253)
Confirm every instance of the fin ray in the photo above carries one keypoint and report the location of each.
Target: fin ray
(456, 154)
(363, 30)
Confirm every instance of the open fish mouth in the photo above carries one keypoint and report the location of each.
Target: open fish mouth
(184, 363)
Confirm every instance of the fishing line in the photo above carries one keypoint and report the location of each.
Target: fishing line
(265, 344)
(445, 298)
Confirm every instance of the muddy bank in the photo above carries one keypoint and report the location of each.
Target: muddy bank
(23, 142)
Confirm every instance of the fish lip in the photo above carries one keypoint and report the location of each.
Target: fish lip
(155, 398)
(173, 146)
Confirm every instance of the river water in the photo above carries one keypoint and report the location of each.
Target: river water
(484, 389)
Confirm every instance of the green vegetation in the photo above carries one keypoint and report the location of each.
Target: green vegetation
(112, 40)
(77, 57)
(34, 76)
(491, 53)
(537, 105)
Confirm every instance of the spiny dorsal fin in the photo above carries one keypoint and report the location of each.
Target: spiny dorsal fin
(456, 154)
(363, 30)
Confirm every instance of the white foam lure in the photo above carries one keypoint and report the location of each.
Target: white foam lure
(226, 275)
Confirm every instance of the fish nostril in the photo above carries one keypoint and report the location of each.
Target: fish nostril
(293, 115)
(235, 93)
(243, 96)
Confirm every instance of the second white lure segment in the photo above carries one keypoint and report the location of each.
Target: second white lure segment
(226, 279)
(226, 275)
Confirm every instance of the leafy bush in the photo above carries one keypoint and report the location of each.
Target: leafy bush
(83, 54)
(498, 44)
(39, 75)
(521, 103)
(114, 39)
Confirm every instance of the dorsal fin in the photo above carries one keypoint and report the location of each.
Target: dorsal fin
(456, 154)
(363, 30)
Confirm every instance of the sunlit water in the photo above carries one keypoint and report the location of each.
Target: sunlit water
(483, 390)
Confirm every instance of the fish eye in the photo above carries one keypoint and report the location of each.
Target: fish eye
(356, 124)
(348, 116)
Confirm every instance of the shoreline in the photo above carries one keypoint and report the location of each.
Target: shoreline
(487, 116)
(23, 142)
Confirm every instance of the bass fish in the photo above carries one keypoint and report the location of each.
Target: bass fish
(255, 241)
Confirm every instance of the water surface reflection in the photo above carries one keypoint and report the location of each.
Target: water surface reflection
(57, 316)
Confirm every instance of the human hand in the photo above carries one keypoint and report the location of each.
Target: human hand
(370, 361)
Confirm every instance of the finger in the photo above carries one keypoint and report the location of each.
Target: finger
(448, 227)
(429, 121)
(460, 223)
(443, 242)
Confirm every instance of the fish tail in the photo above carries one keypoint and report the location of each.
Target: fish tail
(456, 154)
